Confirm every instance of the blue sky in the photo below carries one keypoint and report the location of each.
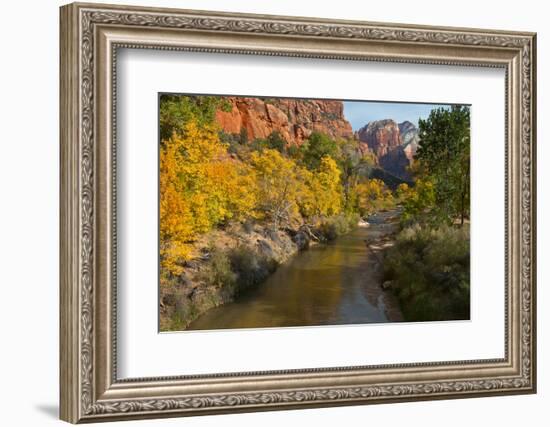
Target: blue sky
(359, 113)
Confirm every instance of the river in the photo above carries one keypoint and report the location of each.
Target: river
(329, 284)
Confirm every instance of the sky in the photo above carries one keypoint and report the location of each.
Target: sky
(359, 113)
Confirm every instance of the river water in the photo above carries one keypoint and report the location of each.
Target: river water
(329, 284)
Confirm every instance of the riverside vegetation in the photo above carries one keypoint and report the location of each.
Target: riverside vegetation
(234, 206)
(429, 265)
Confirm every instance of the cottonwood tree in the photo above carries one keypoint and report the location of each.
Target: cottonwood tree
(201, 186)
(444, 160)
(279, 186)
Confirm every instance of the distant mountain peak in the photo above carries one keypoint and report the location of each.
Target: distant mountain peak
(406, 126)
(375, 124)
(380, 136)
(394, 144)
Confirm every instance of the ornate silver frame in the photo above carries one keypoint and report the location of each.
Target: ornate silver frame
(90, 36)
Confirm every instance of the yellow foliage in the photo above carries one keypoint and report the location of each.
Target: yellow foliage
(418, 199)
(372, 195)
(200, 186)
(403, 191)
(176, 226)
(323, 195)
(279, 185)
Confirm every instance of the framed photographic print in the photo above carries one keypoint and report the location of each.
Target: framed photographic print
(266, 212)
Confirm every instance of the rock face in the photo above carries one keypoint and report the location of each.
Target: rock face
(409, 138)
(396, 162)
(381, 136)
(294, 119)
(393, 144)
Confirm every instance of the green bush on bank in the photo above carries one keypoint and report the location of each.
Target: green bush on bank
(188, 309)
(430, 272)
(236, 269)
(218, 272)
(250, 267)
(338, 225)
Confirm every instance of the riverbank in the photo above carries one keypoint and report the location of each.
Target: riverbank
(336, 283)
(209, 278)
(377, 245)
(427, 268)
(230, 260)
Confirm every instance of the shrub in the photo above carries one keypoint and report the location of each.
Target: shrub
(248, 225)
(430, 270)
(218, 272)
(188, 308)
(338, 225)
(249, 267)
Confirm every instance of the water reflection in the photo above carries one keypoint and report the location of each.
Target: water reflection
(329, 284)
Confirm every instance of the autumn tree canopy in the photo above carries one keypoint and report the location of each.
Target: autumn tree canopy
(209, 179)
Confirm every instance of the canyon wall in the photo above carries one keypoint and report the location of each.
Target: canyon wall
(393, 144)
(294, 119)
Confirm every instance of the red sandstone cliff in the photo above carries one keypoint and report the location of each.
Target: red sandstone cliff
(294, 119)
(393, 144)
(381, 136)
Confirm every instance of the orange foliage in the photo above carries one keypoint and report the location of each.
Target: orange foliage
(200, 186)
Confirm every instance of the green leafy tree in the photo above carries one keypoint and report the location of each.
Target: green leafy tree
(317, 146)
(444, 160)
(418, 199)
(274, 141)
(176, 111)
